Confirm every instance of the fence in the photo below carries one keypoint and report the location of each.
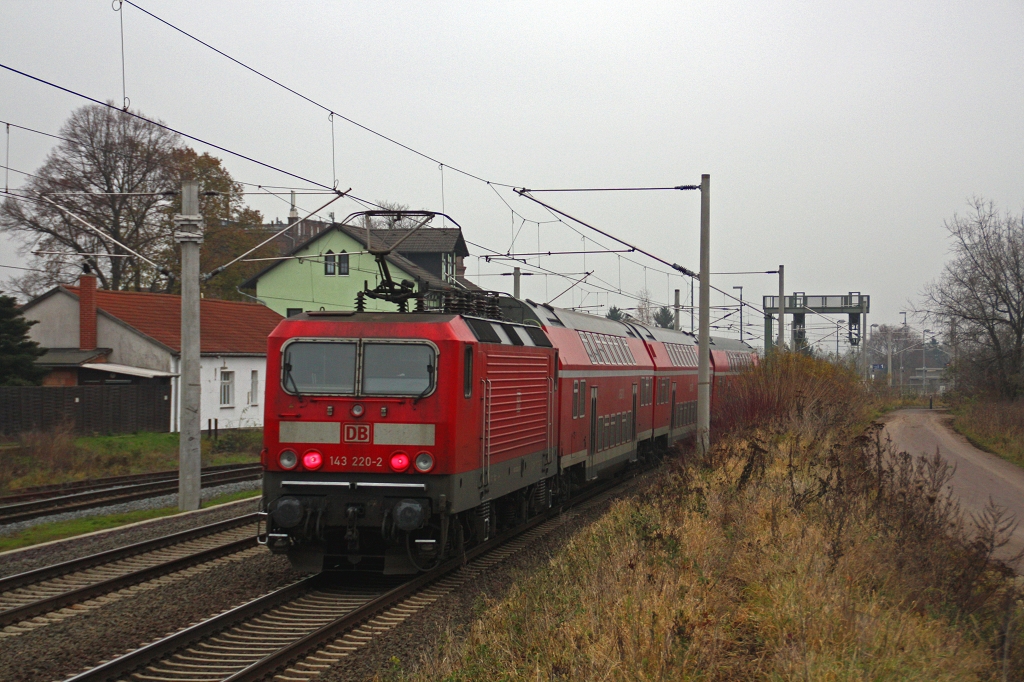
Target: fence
(91, 409)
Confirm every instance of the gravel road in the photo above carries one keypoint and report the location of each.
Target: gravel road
(980, 476)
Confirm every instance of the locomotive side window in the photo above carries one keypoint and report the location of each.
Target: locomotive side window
(398, 369)
(319, 367)
(467, 385)
(583, 399)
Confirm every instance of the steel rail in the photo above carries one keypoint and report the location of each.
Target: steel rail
(49, 604)
(38, 575)
(148, 655)
(57, 489)
(24, 511)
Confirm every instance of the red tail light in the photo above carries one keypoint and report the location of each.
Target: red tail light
(399, 461)
(312, 460)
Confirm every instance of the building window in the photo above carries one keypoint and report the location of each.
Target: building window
(227, 389)
(329, 264)
(448, 267)
(342, 264)
(254, 388)
(292, 312)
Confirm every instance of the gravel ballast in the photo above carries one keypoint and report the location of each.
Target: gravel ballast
(63, 649)
(37, 556)
(125, 507)
(405, 646)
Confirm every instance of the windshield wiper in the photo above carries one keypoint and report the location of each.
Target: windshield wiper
(430, 384)
(288, 377)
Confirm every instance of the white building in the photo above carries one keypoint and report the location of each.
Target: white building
(125, 337)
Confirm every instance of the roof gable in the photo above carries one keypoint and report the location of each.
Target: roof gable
(225, 326)
(379, 238)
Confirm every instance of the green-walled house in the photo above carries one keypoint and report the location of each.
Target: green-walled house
(325, 271)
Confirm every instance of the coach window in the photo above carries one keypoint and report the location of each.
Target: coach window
(575, 399)
(398, 369)
(467, 369)
(583, 399)
(325, 367)
(329, 263)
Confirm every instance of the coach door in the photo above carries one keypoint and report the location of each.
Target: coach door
(672, 417)
(592, 445)
(632, 427)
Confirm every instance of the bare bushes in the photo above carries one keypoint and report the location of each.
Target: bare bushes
(787, 387)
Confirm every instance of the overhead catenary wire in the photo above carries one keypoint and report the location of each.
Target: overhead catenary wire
(216, 271)
(674, 266)
(311, 100)
(164, 126)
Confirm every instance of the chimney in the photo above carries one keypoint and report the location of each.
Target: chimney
(87, 312)
(460, 266)
(293, 214)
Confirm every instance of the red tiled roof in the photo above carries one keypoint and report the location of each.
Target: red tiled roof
(225, 326)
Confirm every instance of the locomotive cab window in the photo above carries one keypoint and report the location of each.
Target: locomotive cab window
(467, 379)
(398, 369)
(310, 367)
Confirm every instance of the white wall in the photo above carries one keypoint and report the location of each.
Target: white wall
(129, 348)
(57, 318)
(242, 413)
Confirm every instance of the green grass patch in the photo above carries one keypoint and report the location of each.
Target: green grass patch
(45, 532)
(232, 497)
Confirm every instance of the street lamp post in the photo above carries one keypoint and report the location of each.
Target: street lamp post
(741, 312)
(924, 361)
(871, 334)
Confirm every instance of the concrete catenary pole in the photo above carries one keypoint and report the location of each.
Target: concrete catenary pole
(782, 309)
(703, 335)
(189, 233)
(675, 318)
(516, 274)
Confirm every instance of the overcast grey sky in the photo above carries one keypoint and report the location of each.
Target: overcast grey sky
(838, 136)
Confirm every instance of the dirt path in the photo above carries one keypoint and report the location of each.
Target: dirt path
(979, 475)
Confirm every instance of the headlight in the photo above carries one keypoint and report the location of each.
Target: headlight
(399, 461)
(287, 459)
(312, 460)
(424, 462)
(357, 410)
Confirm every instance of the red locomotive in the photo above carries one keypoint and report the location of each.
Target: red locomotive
(393, 440)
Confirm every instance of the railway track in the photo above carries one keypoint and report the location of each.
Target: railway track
(25, 597)
(296, 632)
(82, 495)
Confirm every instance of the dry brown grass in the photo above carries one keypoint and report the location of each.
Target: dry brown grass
(59, 456)
(796, 551)
(993, 425)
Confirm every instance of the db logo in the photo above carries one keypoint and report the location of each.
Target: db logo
(357, 433)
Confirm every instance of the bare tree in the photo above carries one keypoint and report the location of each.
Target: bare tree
(981, 294)
(112, 170)
(904, 344)
(644, 307)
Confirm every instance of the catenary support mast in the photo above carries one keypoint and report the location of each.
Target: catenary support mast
(189, 234)
(703, 337)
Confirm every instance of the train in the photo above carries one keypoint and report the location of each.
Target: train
(395, 440)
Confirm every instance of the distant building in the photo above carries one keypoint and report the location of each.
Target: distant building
(328, 269)
(123, 337)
